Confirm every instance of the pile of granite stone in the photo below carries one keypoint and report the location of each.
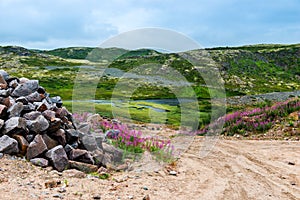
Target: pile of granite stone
(38, 127)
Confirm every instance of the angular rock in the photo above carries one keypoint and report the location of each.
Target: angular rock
(84, 167)
(84, 128)
(98, 157)
(2, 122)
(39, 125)
(23, 100)
(25, 88)
(23, 80)
(15, 110)
(32, 115)
(74, 145)
(29, 137)
(29, 107)
(3, 111)
(23, 143)
(81, 155)
(51, 143)
(49, 115)
(15, 125)
(8, 145)
(60, 136)
(4, 74)
(11, 101)
(13, 83)
(107, 160)
(57, 101)
(42, 106)
(55, 125)
(68, 148)
(58, 157)
(36, 147)
(116, 153)
(72, 135)
(62, 112)
(34, 97)
(99, 140)
(4, 93)
(89, 143)
(41, 162)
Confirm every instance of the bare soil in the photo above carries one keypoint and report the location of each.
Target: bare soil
(234, 169)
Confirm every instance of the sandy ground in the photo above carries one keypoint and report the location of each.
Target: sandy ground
(234, 169)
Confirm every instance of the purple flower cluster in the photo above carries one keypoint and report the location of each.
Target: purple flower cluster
(255, 120)
(124, 137)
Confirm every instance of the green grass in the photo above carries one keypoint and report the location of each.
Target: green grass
(139, 112)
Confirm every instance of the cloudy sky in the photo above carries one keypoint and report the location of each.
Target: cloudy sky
(59, 23)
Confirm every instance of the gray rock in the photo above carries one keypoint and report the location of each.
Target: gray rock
(107, 160)
(51, 143)
(29, 137)
(99, 139)
(72, 135)
(81, 155)
(117, 154)
(22, 100)
(41, 162)
(29, 107)
(15, 125)
(55, 125)
(84, 128)
(15, 110)
(32, 115)
(42, 106)
(23, 80)
(36, 147)
(89, 143)
(68, 148)
(4, 93)
(8, 145)
(49, 115)
(57, 101)
(58, 157)
(60, 136)
(4, 74)
(13, 84)
(1, 123)
(26, 88)
(3, 111)
(62, 112)
(34, 97)
(98, 156)
(39, 125)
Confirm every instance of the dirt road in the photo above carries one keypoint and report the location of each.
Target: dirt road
(233, 170)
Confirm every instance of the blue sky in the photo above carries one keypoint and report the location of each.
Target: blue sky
(60, 23)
